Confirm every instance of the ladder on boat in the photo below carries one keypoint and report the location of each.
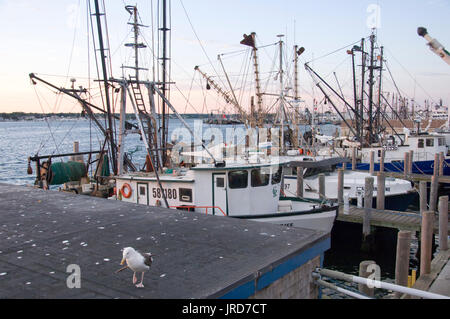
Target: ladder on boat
(148, 121)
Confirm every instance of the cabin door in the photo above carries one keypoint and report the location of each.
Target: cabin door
(142, 195)
(219, 194)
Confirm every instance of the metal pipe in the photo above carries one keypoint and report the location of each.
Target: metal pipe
(341, 290)
(379, 284)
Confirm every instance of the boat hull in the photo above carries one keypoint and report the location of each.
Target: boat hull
(419, 167)
(321, 219)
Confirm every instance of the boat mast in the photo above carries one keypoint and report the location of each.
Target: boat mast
(164, 88)
(363, 73)
(371, 83)
(380, 87)
(281, 91)
(106, 86)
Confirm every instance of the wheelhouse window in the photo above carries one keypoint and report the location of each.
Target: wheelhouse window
(430, 142)
(237, 179)
(420, 143)
(276, 175)
(441, 141)
(260, 177)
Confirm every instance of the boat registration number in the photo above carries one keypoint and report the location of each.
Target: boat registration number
(170, 193)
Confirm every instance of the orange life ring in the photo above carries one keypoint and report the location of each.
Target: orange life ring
(301, 151)
(126, 194)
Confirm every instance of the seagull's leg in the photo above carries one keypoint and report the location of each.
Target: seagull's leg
(134, 278)
(140, 285)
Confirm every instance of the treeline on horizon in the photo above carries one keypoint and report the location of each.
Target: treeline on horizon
(15, 116)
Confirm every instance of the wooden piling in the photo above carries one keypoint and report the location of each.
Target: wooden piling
(354, 159)
(322, 186)
(299, 181)
(443, 223)
(381, 188)
(368, 202)
(436, 165)
(405, 165)
(426, 240)
(383, 155)
(340, 190)
(434, 193)
(365, 273)
(423, 196)
(402, 259)
(372, 163)
(410, 161)
(441, 163)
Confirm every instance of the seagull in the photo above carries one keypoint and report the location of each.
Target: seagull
(137, 262)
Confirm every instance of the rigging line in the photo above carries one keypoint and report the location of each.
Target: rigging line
(58, 101)
(152, 13)
(392, 78)
(96, 58)
(201, 45)
(331, 53)
(390, 52)
(46, 121)
(190, 90)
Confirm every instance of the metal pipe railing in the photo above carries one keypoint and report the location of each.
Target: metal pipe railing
(379, 284)
(325, 284)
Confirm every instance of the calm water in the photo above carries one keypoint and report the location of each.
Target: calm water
(20, 140)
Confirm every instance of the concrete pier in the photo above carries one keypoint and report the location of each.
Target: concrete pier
(43, 233)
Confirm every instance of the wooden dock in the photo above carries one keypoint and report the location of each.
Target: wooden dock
(385, 218)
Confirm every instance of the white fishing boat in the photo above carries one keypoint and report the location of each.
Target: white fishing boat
(399, 193)
(244, 190)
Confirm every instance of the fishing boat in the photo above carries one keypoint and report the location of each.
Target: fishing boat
(245, 189)
(399, 194)
(368, 128)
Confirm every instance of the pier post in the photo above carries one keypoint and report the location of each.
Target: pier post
(372, 163)
(381, 187)
(426, 240)
(405, 165)
(365, 273)
(299, 181)
(441, 163)
(434, 193)
(368, 203)
(383, 155)
(423, 196)
(410, 161)
(354, 159)
(402, 259)
(322, 186)
(340, 191)
(443, 223)
(436, 165)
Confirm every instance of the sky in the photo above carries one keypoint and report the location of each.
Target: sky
(50, 38)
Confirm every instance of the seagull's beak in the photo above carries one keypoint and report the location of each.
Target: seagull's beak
(123, 261)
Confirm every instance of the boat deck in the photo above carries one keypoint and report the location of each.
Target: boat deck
(197, 256)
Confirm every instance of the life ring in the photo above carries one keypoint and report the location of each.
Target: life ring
(301, 151)
(126, 194)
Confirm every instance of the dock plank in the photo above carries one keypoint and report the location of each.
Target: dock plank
(386, 218)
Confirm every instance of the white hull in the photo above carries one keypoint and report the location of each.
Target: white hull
(318, 221)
